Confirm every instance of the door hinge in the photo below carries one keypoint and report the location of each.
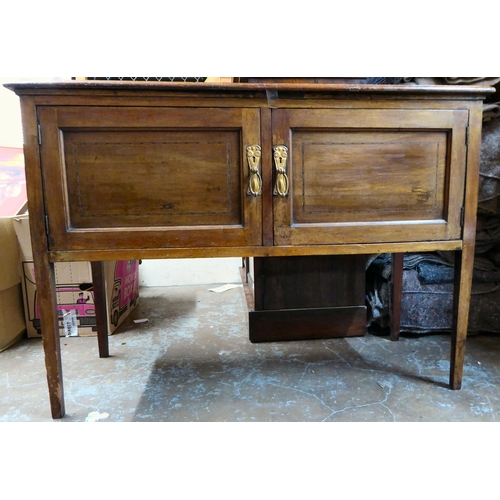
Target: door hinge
(39, 134)
(462, 216)
(47, 227)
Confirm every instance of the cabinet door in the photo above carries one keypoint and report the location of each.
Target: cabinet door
(123, 177)
(370, 175)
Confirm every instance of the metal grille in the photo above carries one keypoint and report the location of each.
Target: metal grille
(150, 78)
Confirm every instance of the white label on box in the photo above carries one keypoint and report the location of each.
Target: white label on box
(70, 323)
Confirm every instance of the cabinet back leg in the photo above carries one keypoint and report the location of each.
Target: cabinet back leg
(396, 294)
(101, 310)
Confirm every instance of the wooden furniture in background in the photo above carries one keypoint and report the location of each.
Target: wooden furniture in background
(307, 297)
(156, 170)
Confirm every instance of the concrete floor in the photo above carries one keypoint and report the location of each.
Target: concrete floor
(192, 362)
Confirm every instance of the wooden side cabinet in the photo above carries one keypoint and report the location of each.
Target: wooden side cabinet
(124, 170)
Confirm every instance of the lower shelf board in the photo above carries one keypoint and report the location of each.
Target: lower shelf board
(307, 324)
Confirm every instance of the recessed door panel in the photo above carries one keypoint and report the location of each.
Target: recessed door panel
(368, 176)
(166, 178)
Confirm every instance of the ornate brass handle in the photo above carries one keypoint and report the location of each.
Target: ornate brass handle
(254, 180)
(280, 157)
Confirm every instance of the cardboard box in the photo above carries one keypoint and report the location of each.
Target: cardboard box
(12, 323)
(74, 290)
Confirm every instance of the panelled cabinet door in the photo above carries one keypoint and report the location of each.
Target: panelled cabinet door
(369, 175)
(150, 177)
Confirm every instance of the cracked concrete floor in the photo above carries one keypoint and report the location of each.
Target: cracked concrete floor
(193, 362)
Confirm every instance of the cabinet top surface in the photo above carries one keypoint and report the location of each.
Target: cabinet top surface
(125, 88)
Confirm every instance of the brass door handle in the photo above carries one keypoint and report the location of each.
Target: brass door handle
(254, 154)
(282, 186)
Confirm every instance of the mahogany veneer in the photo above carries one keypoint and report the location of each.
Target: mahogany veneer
(159, 170)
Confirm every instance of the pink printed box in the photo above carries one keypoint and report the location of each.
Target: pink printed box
(74, 290)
